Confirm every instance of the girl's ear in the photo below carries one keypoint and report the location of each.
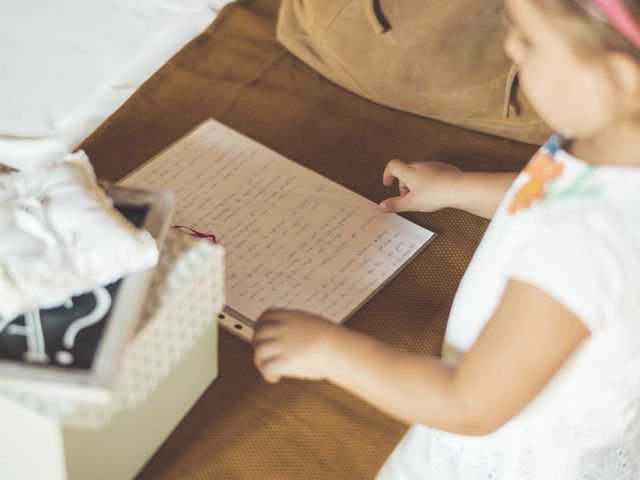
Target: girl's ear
(624, 72)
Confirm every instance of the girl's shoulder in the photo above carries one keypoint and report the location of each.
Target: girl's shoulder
(575, 234)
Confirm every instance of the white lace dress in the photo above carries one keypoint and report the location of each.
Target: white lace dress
(580, 243)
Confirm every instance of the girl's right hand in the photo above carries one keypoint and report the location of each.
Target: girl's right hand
(423, 186)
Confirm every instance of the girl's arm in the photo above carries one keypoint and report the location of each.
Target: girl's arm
(430, 186)
(481, 193)
(523, 345)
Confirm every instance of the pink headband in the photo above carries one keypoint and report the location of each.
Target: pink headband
(618, 16)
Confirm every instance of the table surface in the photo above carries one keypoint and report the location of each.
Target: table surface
(236, 72)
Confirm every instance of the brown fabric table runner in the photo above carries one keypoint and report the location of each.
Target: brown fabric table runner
(243, 428)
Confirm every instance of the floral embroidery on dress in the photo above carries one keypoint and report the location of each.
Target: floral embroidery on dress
(542, 169)
(581, 186)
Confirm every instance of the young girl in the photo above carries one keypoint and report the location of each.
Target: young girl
(540, 375)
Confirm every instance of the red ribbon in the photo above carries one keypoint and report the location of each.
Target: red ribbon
(195, 233)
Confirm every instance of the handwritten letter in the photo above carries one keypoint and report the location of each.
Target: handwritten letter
(292, 237)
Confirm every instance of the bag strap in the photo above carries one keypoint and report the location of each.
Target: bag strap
(374, 15)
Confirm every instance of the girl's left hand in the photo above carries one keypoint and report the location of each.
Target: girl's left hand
(293, 343)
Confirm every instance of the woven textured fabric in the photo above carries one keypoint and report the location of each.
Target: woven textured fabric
(243, 428)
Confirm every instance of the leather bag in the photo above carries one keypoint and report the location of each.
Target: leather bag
(441, 59)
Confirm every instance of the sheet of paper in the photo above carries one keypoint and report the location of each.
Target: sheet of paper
(293, 238)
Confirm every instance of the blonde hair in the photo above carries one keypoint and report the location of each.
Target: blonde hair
(589, 34)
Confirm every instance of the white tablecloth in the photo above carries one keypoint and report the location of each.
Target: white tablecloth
(68, 64)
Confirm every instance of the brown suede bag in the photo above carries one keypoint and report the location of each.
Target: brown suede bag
(441, 59)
